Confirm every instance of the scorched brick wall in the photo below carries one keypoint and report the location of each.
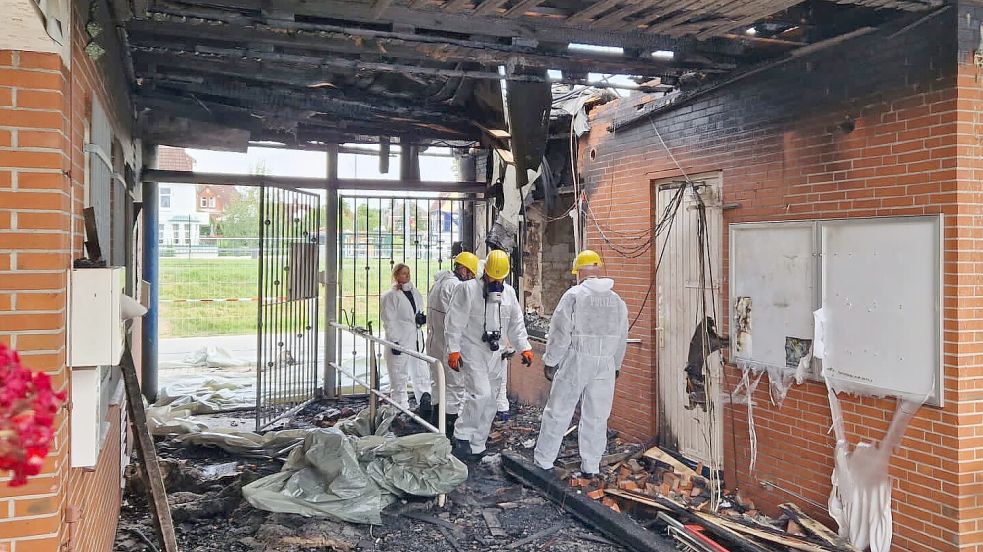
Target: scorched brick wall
(778, 141)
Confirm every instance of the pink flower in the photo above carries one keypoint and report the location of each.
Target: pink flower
(28, 407)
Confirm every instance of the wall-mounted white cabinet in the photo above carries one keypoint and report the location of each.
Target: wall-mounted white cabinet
(86, 426)
(96, 330)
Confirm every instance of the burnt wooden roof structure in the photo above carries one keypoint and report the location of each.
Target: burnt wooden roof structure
(222, 73)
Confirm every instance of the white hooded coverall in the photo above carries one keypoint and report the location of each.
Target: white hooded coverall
(438, 301)
(483, 369)
(503, 398)
(399, 323)
(587, 340)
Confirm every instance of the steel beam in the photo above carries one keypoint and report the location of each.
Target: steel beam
(331, 272)
(219, 179)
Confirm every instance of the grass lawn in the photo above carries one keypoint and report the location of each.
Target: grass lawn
(226, 278)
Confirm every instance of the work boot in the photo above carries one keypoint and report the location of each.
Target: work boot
(424, 409)
(451, 420)
(461, 450)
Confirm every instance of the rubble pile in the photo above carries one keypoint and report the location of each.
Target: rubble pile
(652, 485)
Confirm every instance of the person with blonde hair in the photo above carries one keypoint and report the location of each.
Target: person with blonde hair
(402, 320)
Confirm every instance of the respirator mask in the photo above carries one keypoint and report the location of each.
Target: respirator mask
(493, 292)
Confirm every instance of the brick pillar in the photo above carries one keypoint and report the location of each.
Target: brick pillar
(35, 256)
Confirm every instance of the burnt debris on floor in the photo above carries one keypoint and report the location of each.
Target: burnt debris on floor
(644, 499)
(489, 511)
(650, 488)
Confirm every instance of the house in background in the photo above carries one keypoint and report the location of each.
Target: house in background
(181, 218)
(213, 201)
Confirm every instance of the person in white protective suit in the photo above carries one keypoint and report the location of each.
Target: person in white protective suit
(402, 317)
(481, 312)
(438, 301)
(586, 344)
(502, 402)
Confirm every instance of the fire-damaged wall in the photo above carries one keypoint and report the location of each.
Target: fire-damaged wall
(881, 125)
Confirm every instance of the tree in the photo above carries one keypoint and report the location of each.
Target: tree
(367, 219)
(241, 219)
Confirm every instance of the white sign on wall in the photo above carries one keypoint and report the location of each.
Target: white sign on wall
(773, 291)
(882, 299)
(879, 283)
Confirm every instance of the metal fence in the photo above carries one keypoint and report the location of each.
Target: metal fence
(374, 234)
(287, 375)
(209, 289)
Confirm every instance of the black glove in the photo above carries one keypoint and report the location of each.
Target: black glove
(549, 372)
(394, 351)
(421, 319)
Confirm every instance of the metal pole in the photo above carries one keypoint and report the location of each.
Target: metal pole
(331, 272)
(151, 274)
(374, 384)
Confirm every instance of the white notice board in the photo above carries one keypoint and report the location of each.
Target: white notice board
(882, 296)
(774, 267)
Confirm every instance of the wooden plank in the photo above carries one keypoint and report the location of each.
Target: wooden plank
(817, 529)
(522, 7)
(488, 7)
(536, 536)
(616, 18)
(557, 30)
(153, 477)
(635, 497)
(655, 453)
(791, 542)
(490, 516)
(457, 5)
(592, 11)
(687, 11)
(760, 13)
(380, 7)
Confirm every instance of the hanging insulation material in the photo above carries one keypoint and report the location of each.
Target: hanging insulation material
(860, 501)
(748, 387)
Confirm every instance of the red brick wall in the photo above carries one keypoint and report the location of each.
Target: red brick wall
(35, 252)
(97, 495)
(44, 110)
(775, 138)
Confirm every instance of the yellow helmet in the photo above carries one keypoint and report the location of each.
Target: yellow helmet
(586, 258)
(468, 260)
(497, 264)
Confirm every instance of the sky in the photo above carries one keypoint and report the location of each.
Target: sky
(284, 162)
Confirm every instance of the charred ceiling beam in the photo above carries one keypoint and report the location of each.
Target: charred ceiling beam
(305, 100)
(355, 42)
(197, 68)
(547, 29)
(259, 117)
(353, 65)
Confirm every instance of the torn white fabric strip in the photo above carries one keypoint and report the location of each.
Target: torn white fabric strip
(860, 501)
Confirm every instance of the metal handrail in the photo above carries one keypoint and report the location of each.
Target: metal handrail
(373, 385)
